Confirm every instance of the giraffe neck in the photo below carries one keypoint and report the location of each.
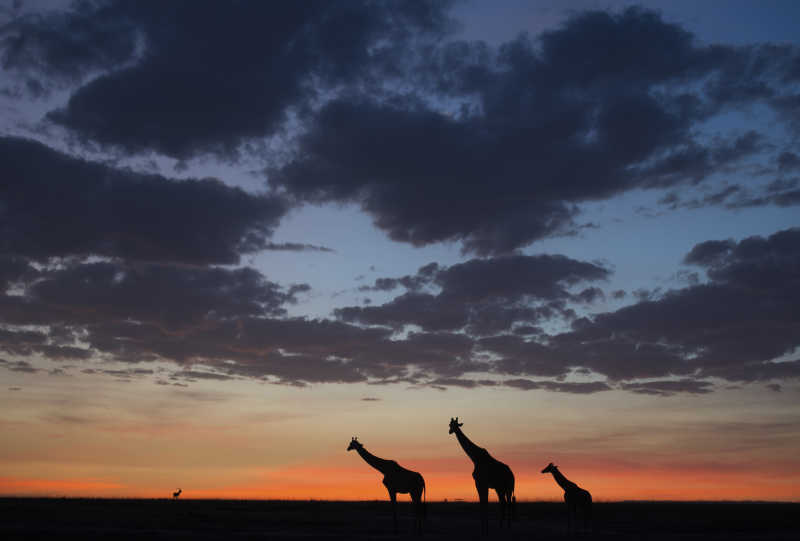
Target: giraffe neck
(474, 452)
(379, 464)
(562, 481)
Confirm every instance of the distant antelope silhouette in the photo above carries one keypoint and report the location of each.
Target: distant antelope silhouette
(574, 496)
(175, 495)
(396, 479)
(488, 473)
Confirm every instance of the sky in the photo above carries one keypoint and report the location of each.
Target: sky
(235, 236)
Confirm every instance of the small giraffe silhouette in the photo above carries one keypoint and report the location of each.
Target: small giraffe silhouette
(574, 496)
(176, 494)
(488, 473)
(396, 479)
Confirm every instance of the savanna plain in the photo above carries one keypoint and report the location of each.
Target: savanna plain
(122, 519)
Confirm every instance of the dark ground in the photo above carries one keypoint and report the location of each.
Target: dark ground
(72, 518)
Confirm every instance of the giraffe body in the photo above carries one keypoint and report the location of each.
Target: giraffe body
(488, 473)
(576, 498)
(397, 479)
(402, 480)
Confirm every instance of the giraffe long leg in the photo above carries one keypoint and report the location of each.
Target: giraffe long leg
(510, 507)
(483, 495)
(416, 497)
(501, 497)
(588, 516)
(393, 496)
(569, 514)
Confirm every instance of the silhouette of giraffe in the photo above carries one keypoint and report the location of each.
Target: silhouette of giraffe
(488, 473)
(176, 494)
(396, 479)
(574, 496)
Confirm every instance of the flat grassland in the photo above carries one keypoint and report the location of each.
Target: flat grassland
(123, 519)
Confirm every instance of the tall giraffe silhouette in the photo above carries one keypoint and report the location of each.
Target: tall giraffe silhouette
(396, 479)
(574, 496)
(488, 473)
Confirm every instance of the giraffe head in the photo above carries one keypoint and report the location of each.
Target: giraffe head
(454, 424)
(354, 444)
(550, 468)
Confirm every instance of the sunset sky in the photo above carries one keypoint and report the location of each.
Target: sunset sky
(235, 235)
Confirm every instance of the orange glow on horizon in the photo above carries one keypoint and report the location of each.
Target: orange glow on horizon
(15, 486)
(306, 483)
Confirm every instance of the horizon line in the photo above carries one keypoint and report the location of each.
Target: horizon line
(371, 500)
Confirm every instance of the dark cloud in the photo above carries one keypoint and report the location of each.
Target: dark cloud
(295, 247)
(520, 134)
(136, 313)
(194, 375)
(590, 295)
(170, 296)
(407, 197)
(64, 46)
(421, 309)
(559, 386)
(770, 263)
(749, 372)
(518, 356)
(292, 351)
(63, 353)
(464, 383)
(528, 131)
(21, 342)
(783, 184)
(787, 198)
(413, 283)
(211, 76)
(526, 330)
(512, 277)
(483, 295)
(55, 205)
(13, 269)
(745, 145)
(18, 366)
(734, 327)
(669, 387)
(788, 105)
(532, 135)
(709, 252)
(716, 198)
(689, 277)
(126, 373)
(788, 161)
(781, 193)
(644, 294)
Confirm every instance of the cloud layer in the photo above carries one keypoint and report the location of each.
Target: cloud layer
(55, 205)
(438, 140)
(603, 105)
